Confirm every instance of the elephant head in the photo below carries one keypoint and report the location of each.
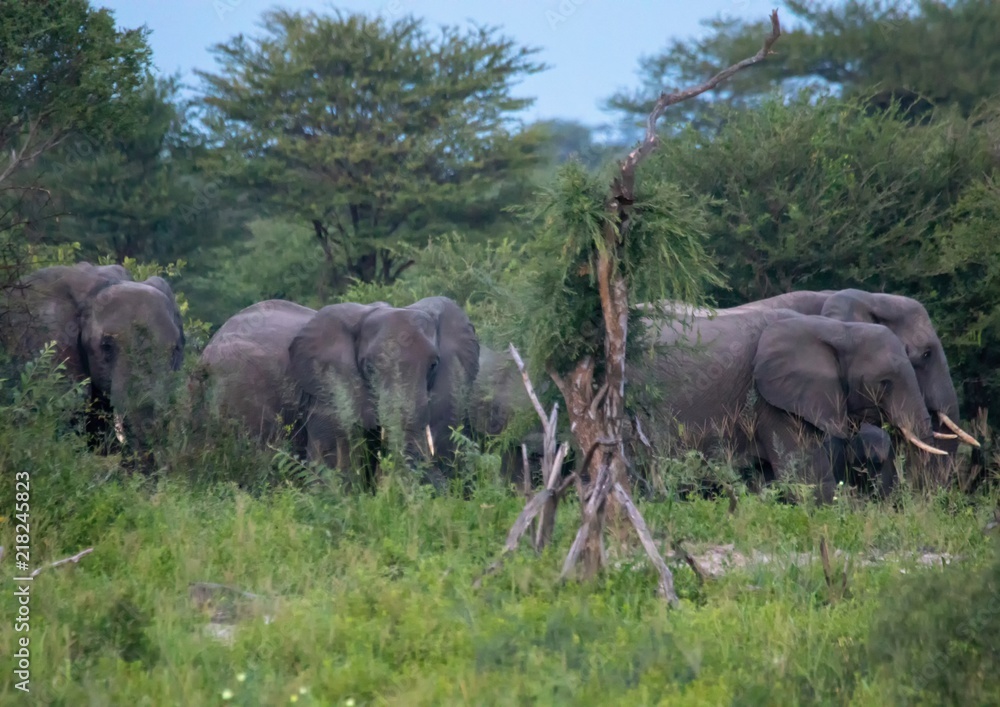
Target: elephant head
(126, 337)
(908, 320)
(833, 374)
(369, 367)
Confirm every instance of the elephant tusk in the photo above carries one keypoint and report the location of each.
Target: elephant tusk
(430, 439)
(920, 445)
(942, 435)
(963, 435)
(120, 428)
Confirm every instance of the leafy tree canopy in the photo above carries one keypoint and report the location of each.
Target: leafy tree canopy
(64, 68)
(924, 52)
(136, 194)
(371, 132)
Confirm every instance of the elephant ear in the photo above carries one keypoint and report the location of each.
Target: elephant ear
(323, 363)
(163, 286)
(53, 307)
(796, 368)
(857, 306)
(458, 344)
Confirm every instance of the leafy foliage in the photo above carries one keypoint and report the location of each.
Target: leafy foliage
(664, 257)
(923, 52)
(135, 194)
(64, 67)
(369, 131)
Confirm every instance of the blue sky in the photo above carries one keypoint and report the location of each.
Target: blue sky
(592, 46)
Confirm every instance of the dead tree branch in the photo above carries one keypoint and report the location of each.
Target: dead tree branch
(74, 559)
(666, 100)
(596, 410)
(529, 387)
(666, 586)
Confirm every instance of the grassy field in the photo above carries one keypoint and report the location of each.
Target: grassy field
(369, 599)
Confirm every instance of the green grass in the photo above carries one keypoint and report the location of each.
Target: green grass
(369, 599)
(372, 600)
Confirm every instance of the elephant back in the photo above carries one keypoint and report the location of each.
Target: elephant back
(244, 369)
(697, 369)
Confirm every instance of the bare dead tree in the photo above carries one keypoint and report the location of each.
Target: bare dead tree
(540, 508)
(596, 408)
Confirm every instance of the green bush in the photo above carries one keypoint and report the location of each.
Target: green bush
(935, 642)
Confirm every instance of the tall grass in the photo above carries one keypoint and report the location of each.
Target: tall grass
(367, 598)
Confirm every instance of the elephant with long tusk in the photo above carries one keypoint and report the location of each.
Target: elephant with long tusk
(125, 338)
(908, 319)
(777, 386)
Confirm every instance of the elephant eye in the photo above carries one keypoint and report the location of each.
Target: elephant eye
(926, 355)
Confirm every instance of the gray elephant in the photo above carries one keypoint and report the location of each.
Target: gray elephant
(243, 371)
(348, 372)
(908, 320)
(125, 337)
(782, 387)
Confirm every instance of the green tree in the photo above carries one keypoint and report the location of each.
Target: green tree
(822, 194)
(922, 52)
(372, 133)
(64, 69)
(136, 194)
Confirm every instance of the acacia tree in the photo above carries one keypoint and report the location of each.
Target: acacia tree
(921, 52)
(367, 130)
(137, 194)
(64, 68)
(639, 239)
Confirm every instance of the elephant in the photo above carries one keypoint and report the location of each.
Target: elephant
(782, 387)
(126, 338)
(348, 370)
(405, 370)
(908, 319)
(244, 368)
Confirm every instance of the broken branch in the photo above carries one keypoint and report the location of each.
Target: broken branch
(529, 387)
(74, 559)
(666, 585)
(666, 100)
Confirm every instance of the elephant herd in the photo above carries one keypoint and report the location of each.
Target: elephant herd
(804, 385)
